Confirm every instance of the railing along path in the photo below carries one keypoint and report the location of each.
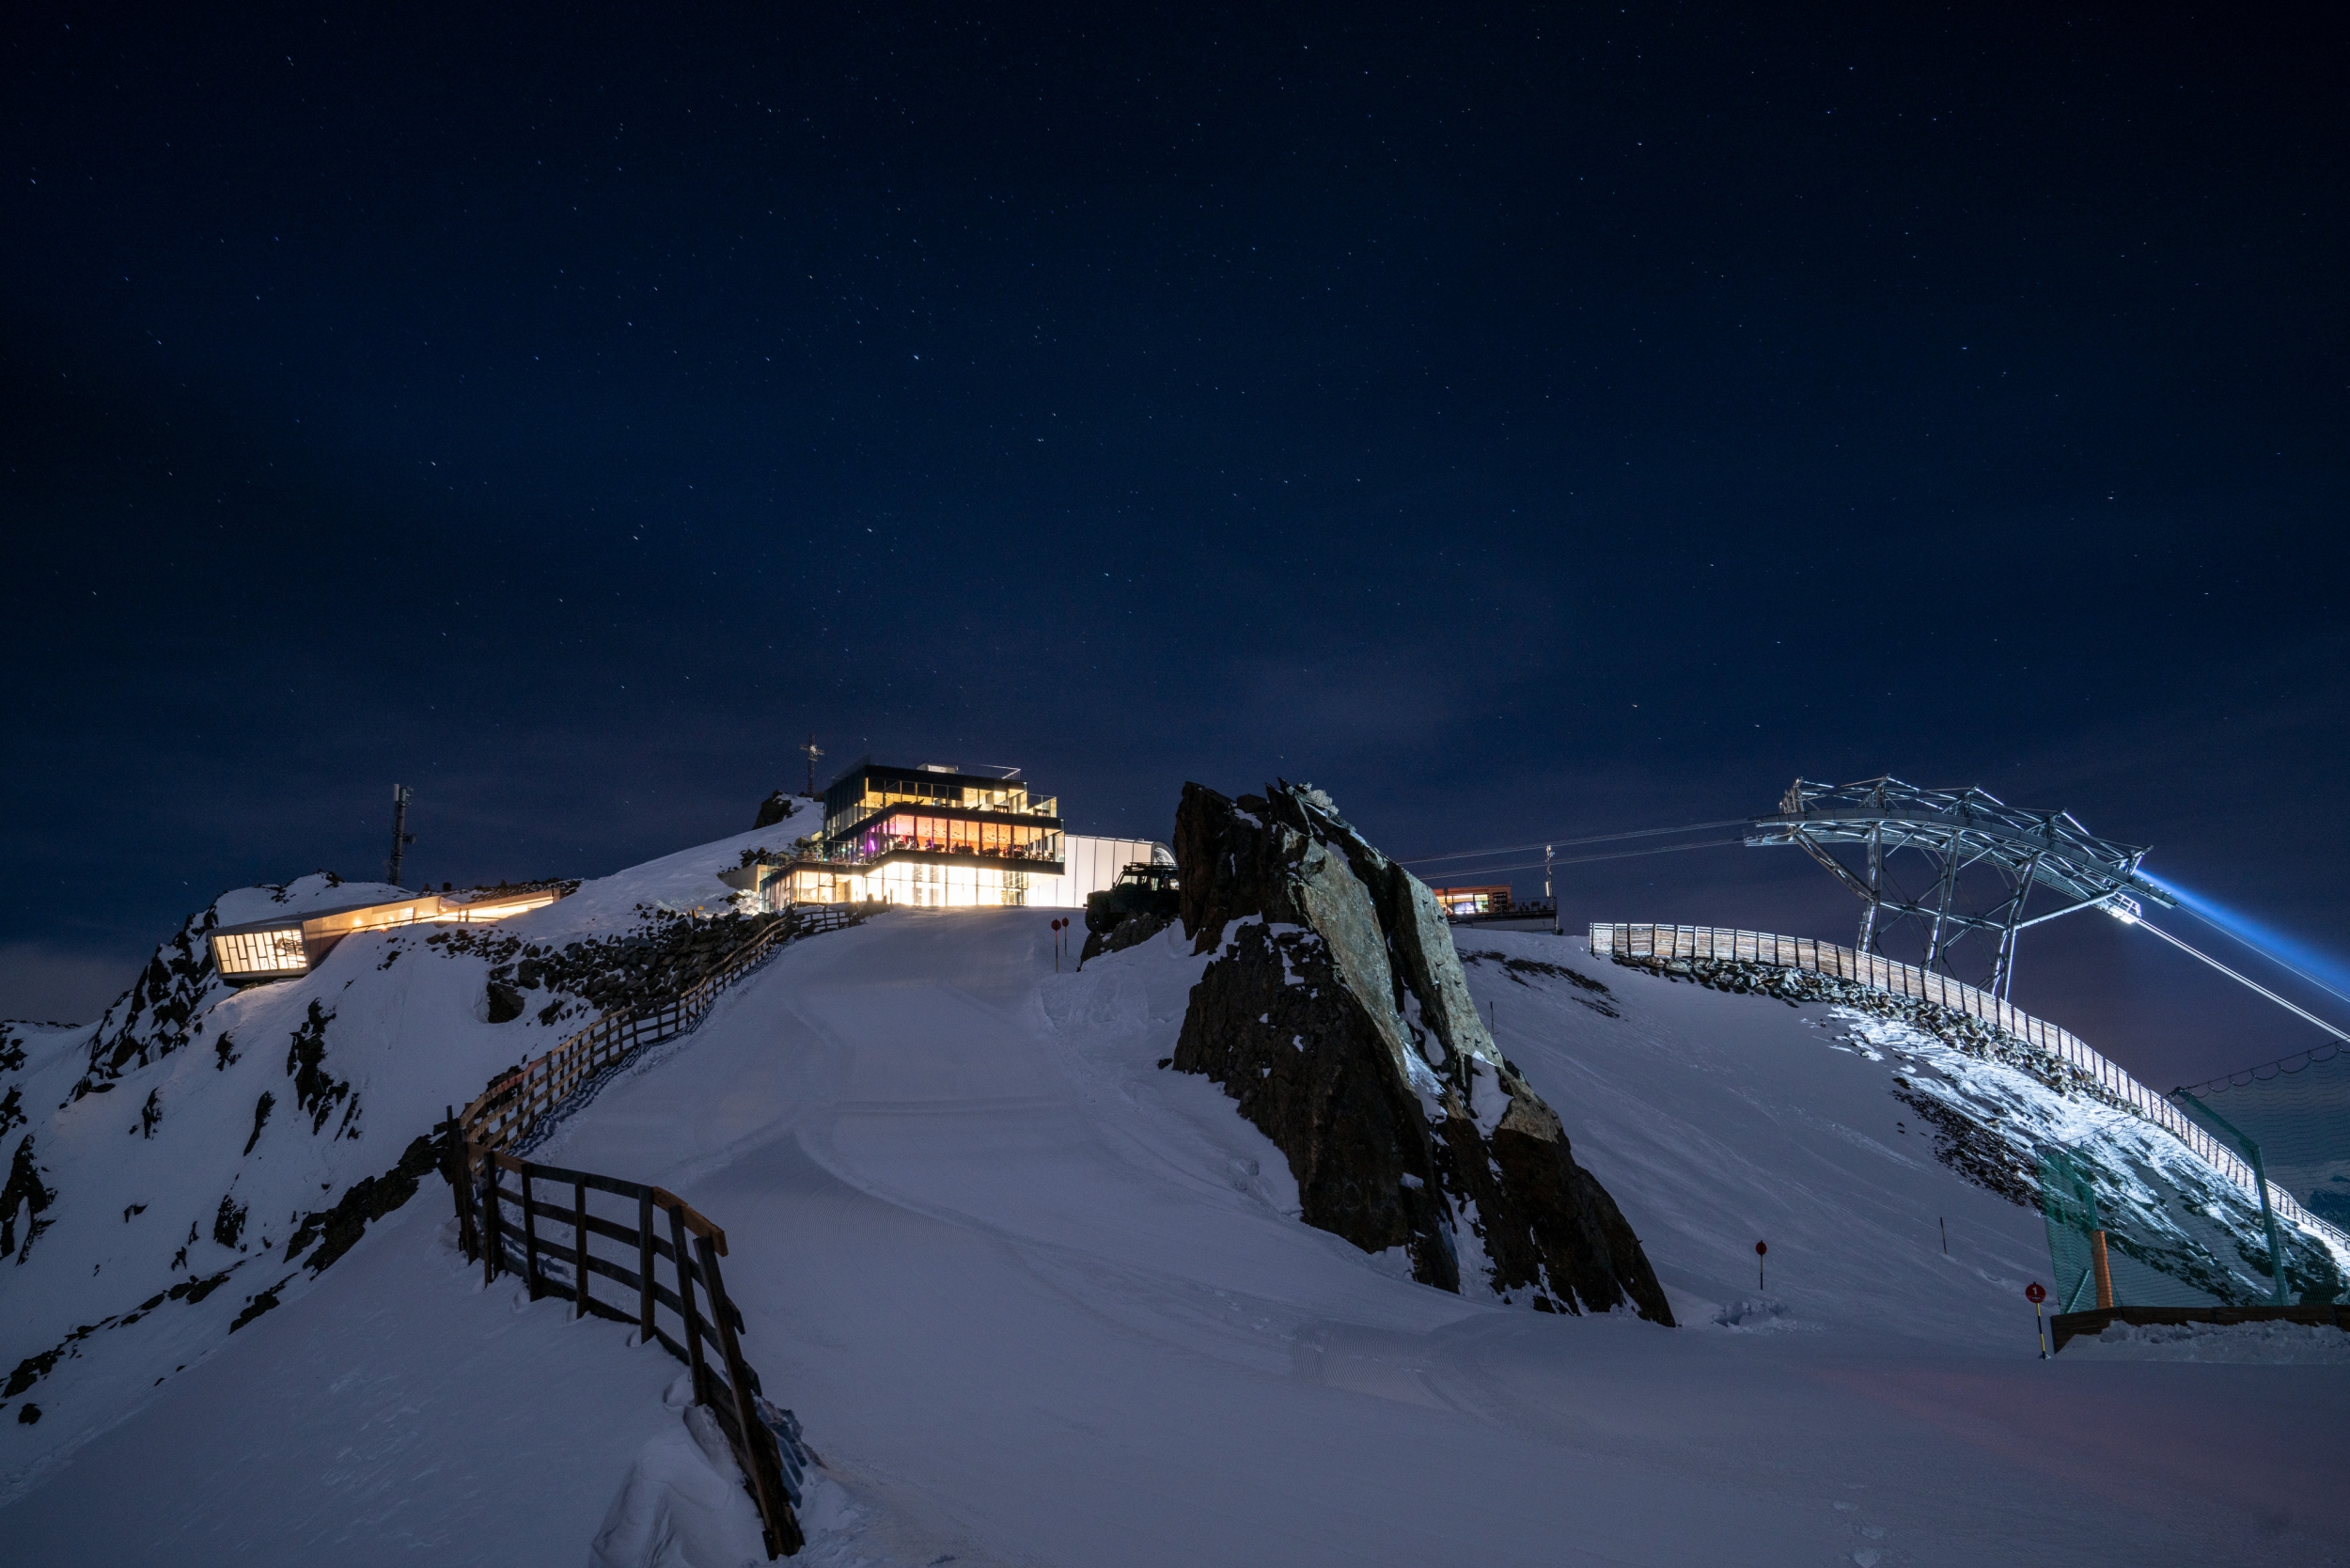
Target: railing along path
(501, 1227)
(506, 1114)
(1611, 940)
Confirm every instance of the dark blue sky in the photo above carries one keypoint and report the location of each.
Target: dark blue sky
(1516, 421)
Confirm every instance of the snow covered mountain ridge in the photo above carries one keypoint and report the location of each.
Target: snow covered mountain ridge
(192, 1159)
(1041, 1299)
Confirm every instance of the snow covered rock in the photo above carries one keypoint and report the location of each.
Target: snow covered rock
(1338, 1016)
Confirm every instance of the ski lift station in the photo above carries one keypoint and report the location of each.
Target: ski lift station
(937, 836)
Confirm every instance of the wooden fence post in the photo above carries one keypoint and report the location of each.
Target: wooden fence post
(530, 1235)
(783, 1533)
(644, 1267)
(459, 1170)
(579, 1247)
(683, 1257)
(493, 1254)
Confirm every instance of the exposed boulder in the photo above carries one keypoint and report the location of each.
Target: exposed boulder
(774, 808)
(506, 1003)
(1338, 1016)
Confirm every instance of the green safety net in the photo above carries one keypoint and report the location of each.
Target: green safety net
(2145, 1261)
(2201, 1244)
(2298, 1112)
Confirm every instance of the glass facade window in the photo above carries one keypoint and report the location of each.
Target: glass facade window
(869, 789)
(904, 830)
(497, 906)
(921, 885)
(1460, 902)
(260, 953)
(290, 950)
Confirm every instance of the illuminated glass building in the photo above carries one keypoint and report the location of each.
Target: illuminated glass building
(292, 945)
(938, 837)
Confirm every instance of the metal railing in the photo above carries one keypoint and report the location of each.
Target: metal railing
(505, 1115)
(1613, 940)
(500, 1227)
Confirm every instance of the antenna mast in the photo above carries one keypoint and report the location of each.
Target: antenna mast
(813, 751)
(401, 838)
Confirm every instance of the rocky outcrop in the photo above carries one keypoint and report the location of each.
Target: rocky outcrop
(1129, 931)
(1337, 1014)
(774, 808)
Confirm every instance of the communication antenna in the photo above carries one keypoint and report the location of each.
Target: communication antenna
(813, 751)
(401, 838)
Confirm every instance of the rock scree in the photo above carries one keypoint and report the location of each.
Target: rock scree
(1337, 1014)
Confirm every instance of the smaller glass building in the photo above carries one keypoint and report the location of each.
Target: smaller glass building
(258, 950)
(1463, 903)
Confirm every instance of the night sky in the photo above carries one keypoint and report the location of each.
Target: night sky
(1516, 421)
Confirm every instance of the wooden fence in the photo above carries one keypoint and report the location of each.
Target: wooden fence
(506, 1227)
(505, 1115)
(1907, 980)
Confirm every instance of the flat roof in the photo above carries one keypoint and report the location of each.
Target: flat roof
(427, 905)
(317, 912)
(927, 772)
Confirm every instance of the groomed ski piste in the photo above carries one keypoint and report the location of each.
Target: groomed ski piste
(1037, 1300)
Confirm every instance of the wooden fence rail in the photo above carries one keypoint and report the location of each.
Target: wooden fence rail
(515, 1226)
(1610, 940)
(506, 1114)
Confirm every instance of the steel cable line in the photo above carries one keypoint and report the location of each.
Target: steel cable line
(2255, 946)
(1570, 843)
(2295, 1007)
(1587, 859)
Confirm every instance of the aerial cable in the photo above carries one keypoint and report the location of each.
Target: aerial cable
(2128, 918)
(2282, 963)
(1570, 843)
(1587, 859)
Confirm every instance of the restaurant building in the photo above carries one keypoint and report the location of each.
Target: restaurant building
(935, 836)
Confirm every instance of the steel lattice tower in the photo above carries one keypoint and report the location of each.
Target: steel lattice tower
(1955, 830)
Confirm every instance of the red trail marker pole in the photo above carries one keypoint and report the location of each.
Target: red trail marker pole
(1759, 1249)
(2034, 1293)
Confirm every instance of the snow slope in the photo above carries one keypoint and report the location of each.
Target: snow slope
(184, 1142)
(1039, 1301)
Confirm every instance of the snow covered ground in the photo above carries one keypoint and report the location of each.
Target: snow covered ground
(161, 1162)
(1039, 1301)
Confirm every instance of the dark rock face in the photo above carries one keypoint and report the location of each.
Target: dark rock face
(162, 1012)
(1338, 1017)
(774, 808)
(1125, 934)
